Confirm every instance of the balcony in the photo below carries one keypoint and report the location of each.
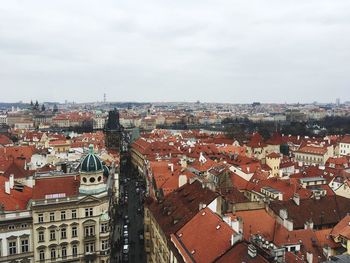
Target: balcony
(105, 252)
(89, 237)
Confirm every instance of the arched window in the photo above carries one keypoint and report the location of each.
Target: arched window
(53, 253)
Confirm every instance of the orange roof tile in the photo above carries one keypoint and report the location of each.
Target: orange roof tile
(205, 237)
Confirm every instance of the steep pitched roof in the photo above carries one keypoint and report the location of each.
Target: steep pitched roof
(17, 171)
(180, 206)
(4, 140)
(326, 211)
(239, 253)
(16, 200)
(345, 139)
(205, 237)
(342, 228)
(252, 223)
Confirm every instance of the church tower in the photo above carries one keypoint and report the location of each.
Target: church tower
(113, 131)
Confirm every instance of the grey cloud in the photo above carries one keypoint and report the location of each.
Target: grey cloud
(225, 51)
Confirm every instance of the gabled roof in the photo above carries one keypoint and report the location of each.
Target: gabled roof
(180, 206)
(18, 151)
(252, 223)
(239, 253)
(312, 150)
(17, 171)
(276, 139)
(342, 228)
(167, 178)
(204, 238)
(4, 140)
(16, 200)
(326, 211)
(256, 141)
(345, 139)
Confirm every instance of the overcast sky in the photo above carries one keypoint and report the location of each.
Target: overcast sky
(175, 50)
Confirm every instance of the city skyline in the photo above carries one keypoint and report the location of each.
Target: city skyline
(230, 51)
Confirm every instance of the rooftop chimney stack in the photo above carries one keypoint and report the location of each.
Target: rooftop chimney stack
(296, 199)
(7, 188)
(252, 252)
(12, 181)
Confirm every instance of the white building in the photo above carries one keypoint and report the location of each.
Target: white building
(3, 119)
(344, 145)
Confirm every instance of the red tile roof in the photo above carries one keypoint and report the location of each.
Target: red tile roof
(276, 139)
(345, 139)
(342, 228)
(17, 171)
(252, 223)
(313, 150)
(177, 208)
(18, 151)
(256, 141)
(205, 237)
(326, 211)
(306, 237)
(4, 140)
(165, 178)
(16, 200)
(68, 185)
(239, 253)
(238, 182)
(274, 155)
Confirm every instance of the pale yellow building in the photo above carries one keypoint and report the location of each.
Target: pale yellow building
(70, 215)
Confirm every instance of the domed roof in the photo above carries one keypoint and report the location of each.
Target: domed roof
(91, 163)
(105, 171)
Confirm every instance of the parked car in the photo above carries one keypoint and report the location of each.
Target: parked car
(126, 234)
(126, 219)
(125, 249)
(126, 241)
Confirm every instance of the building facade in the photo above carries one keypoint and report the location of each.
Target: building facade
(70, 215)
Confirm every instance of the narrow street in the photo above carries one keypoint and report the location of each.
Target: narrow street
(128, 234)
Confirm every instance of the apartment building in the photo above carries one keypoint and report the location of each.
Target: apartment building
(70, 215)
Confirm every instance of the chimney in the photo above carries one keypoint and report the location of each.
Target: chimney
(309, 257)
(252, 252)
(183, 163)
(296, 199)
(11, 181)
(171, 166)
(7, 188)
(201, 206)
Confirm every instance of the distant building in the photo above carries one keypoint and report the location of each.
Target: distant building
(344, 145)
(113, 131)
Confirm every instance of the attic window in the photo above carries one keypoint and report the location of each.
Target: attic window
(203, 214)
(193, 251)
(218, 227)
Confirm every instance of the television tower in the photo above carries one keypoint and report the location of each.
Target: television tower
(104, 98)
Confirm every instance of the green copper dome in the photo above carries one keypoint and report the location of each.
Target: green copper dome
(105, 171)
(91, 163)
